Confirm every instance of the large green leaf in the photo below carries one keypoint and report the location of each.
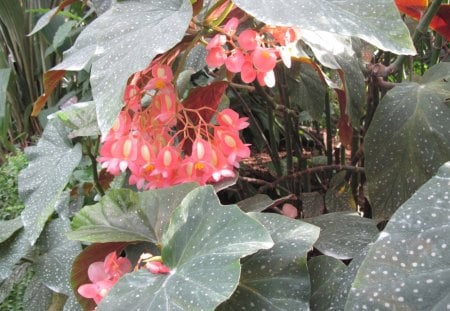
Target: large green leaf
(408, 267)
(408, 139)
(122, 41)
(8, 227)
(123, 215)
(57, 255)
(202, 246)
(11, 251)
(307, 88)
(377, 22)
(37, 296)
(343, 235)
(330, 292)
(277, 278)
(341, 53)
(80, 117)
(51, 164)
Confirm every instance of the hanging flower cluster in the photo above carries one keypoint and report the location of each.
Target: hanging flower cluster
(165, 143)
(252, 53)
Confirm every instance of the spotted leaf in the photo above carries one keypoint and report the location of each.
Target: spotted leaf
(408, 268)
(202, 246)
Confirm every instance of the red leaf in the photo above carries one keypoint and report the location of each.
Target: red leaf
(79, 274)
(345, 129)
(415, 9)
(206, 100)
(51, 80)
(289, 210)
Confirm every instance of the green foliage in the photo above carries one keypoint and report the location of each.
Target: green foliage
(10, 203)
(234, 256)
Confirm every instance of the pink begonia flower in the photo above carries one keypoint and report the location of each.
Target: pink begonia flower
(235, 61)
(264, 59)
(248, 39)
(162, 77)
(216, 57)
(230, 118)
(167, 162)
(248, 72)
(266, 78)
(231, 26)
(157, 267)
(103, 276)
(217, 41)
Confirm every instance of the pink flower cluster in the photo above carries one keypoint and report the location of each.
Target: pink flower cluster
(151, 142)
(103, 275)
(254, 54)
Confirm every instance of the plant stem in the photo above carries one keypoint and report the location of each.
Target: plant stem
(91, 156)
(328, 129)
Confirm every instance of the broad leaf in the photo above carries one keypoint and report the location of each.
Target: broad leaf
(37, 295)
(256, 203)
(123, 215)
(122, 41)
(51, 80)
(45, 19)
(57, 255)
(322, 269)
(341, 53)
(408, 139)
(50, 166)
(339, 197)
(80, 117)
(408, 267)
(339, 243)
(307, 88)
(8, 227)
(202, 246)
(16, 277)
(277, 278)
(11, 251)
(330, 293)
(377, 22)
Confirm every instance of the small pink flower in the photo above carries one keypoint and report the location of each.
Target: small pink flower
(231, 26)
(264, 59)
(216, 57)
(157, 267)
(235, 61)
(248, 39)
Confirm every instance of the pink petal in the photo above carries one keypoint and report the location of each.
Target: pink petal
(96, 272)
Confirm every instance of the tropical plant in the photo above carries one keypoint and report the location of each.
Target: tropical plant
(179, 90)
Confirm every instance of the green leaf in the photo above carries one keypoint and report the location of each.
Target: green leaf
(332, 291)
(408, 268)
(322, 269)
(9, 285)
(202, 246)
(307, 88)
(57, 255)
(341, 53)
(11, 251)
(123, 215)
(122, 41)
(62, 33)
(4, 81)
(343, 243)
(50, 166)
(8, 227)
(37, 295)
(377, 22)
(339, 197)
(408, 139)
(256, 203)
(80, 117)
(44, 20)
(277, 278)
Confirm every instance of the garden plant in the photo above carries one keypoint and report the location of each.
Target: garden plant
(227, 155)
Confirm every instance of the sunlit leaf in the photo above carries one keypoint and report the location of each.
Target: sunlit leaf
(51, 164)
(202, 246)
(81, 118)
(124, 215)
(408, 268)
(377, 22)
(8, 227)
(408, 139)
(122, 41)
